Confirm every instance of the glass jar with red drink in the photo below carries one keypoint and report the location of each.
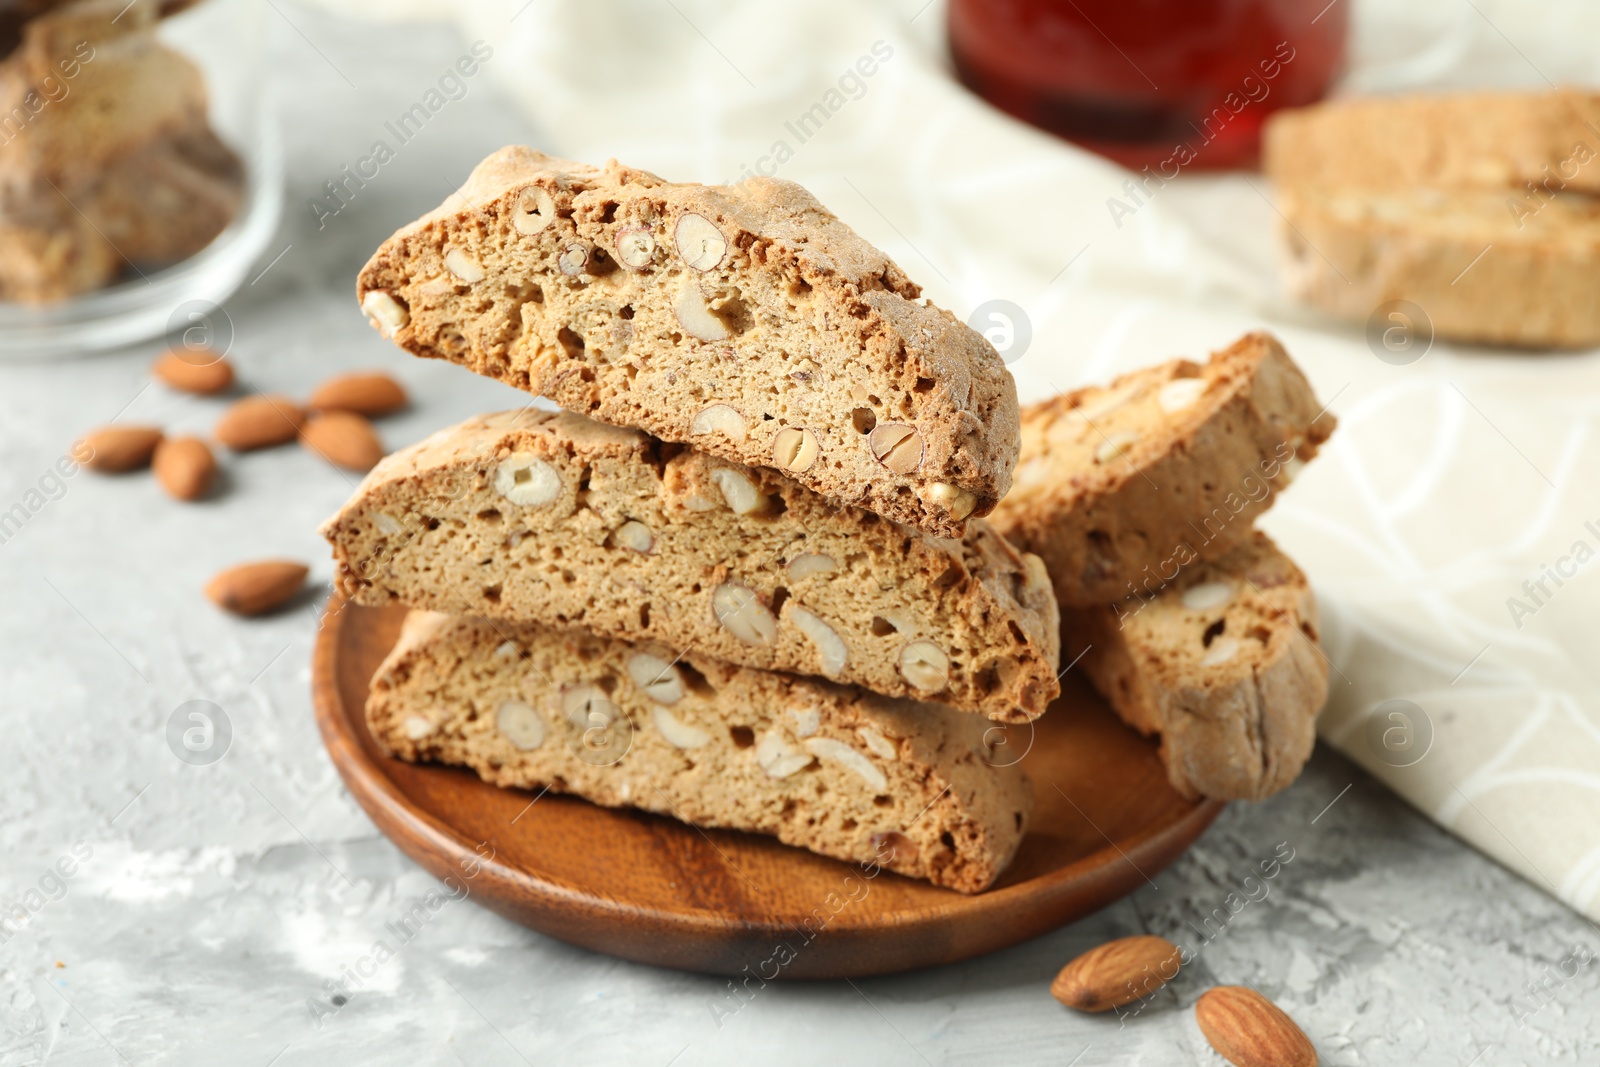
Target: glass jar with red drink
(1161, 83)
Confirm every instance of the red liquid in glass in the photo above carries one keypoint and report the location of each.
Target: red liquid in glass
(1162, 83)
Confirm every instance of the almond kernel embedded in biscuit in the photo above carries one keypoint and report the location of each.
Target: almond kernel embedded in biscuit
(897, 446)
(656, 678)
(795, 449)
(1180, 393)
(387, 313)
(464, 265)
(743, 614)
(1207, 595)
(635, 246)
(535, 210)
(1115, 446)
(525, 479)
(881, 746)
(700, 244)
(739, 491)
(1111, 400)
(573, 258)
(719, 418)
(924, 665)
(1221, 651)
(826, 748)
(958, 502)
(807, 721)
(778, 757)
(587, 706)
(694, 315)
(676, 732)
(832, 653)
(520, 724)
(808, 563)
(635, 535)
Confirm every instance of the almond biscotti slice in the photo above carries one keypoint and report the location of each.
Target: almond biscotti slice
(1222, 663)
(1476, 140)
(1484, 267)
(746, 320)
(843, 773)
(1119, 487)
(550, 517)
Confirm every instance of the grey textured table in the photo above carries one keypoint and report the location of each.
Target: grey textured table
(210, 909)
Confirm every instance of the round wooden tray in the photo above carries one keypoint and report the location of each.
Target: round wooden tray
(652, 889)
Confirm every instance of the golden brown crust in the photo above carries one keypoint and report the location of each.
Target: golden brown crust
(625, 536)
(645, 303)
(843, 773)
(1223, 664)
(1120, 487)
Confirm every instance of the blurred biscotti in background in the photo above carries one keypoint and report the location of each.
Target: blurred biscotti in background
(1479, 208)
(107, 156)
(1476, 140)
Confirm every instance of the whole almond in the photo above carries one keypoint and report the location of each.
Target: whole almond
(256, 588)
(185, 467)
(260, 422)
(1116, 973)
(114, 449)
(194, 370)
(344, 439)
(1248, 1030)
(370, 393)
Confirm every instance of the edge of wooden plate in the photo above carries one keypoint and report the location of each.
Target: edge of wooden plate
(957, 928)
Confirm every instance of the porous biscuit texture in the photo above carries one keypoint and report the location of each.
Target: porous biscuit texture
(1473, 140)
(911, 787)
(746, 320)
(1119, 487)
(1484, 266)
(553, 518)
(1223, 664)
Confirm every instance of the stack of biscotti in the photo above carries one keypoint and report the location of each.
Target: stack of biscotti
(1141, 497)
(1482, 209)
(743, 578)
(107, 155)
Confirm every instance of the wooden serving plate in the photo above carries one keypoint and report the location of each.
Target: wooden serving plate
(650, 888)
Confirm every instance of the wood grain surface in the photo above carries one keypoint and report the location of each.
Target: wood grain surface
(652, 889)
